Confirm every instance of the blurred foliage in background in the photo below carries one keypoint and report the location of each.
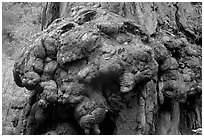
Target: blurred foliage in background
(21, 21)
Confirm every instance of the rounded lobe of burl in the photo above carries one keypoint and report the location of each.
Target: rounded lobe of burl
(30, 80)
(49, 94)
(38, 65)
(39, 50)
(50, 67)
(50, 46)
(72, 93)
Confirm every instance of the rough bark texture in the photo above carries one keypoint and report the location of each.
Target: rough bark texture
(114, 68)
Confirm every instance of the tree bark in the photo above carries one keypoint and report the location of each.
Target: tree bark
(170, 102)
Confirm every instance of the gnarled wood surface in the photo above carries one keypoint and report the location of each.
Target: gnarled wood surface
(114, 68)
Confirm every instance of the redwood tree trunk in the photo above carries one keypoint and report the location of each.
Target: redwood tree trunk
(154, 110)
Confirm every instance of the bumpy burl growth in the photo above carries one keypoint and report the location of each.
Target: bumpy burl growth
(76, 60)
